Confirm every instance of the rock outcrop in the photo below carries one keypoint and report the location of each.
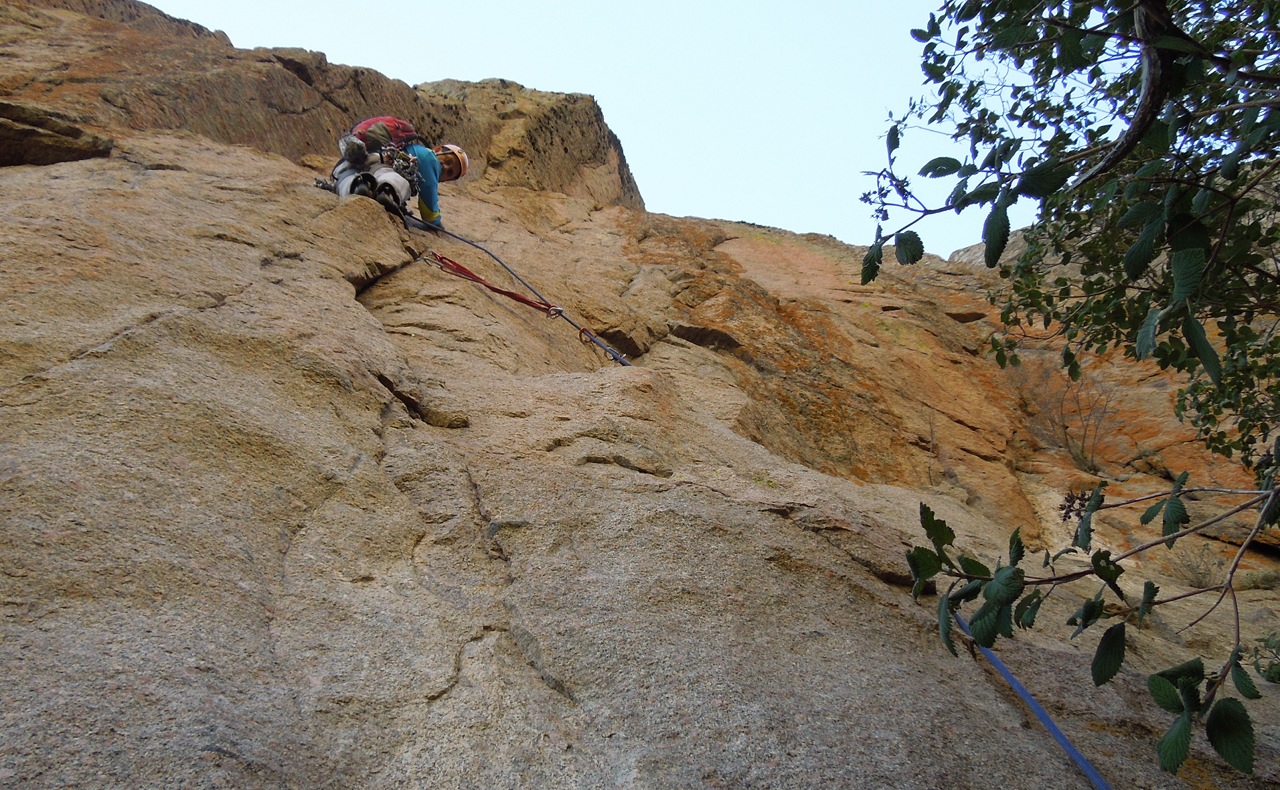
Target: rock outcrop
(287, 506)
(35, 135)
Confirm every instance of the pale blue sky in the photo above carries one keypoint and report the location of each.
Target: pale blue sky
(761, 112)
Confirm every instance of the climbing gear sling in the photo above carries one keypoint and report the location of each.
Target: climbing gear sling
(539, 302)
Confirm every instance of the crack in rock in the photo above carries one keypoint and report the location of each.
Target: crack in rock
(884, 567)
(415, 402)
(454, 679)
(491, 544)
(103, 347)
(531, 649)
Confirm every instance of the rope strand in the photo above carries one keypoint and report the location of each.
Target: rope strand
(540, 303)
(1058, 735)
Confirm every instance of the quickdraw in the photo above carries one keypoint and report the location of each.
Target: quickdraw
(453, 267)
(538, 302)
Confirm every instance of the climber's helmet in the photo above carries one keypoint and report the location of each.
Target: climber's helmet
(453, 162)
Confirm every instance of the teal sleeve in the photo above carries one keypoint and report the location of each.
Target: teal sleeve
(428, 182)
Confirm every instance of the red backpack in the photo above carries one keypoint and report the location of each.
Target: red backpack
(401, 131)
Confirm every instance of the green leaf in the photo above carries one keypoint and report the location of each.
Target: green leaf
(1140, 214)
(1271, 509)
(1165, 693)
(941, 166)
(968, 592)
(1084, 531)
(1149, 592)
(939, 534)
(1199, 342)
(1178, 44)
(1200, 204)
(1188, 269)
(999, 154)
(1071, 55)
(1109, 656)
(1175, 516)
(1270, 673)
(1016, 548)
(924, 565)
(1108, 191)
(1189, 690)
(1193, 669)
(1175, 746)
(1157, 138)
(1150, 169)
(944, 623)
(1044, 179)
(1147, 339)
(1013, 35)
(1096, 498)
(1244, 683)
(1139, 257)
(973, 568)
(1185, 232)
(1004, 621)
(1005, 586)
(1231, 733)
(871, 263)
(1024, 614)
(1231, 164)
(982, 194)
(985, 625)
(1150, 513)
(1088, 614)
(908, 247)
(1108, 570)
(894, 139)
(995, 234)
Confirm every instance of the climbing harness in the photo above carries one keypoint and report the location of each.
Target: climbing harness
(1079, 759)
(404, 163)
(539, 302)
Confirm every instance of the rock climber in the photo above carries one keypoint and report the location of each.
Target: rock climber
(385, 158)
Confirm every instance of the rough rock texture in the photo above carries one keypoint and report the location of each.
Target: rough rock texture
(286, 506)
(35, 135)
(156, 72)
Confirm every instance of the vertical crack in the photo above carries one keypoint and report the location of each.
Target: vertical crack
(458, 655)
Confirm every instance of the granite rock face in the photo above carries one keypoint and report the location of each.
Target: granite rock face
(285, 505)
(125, 65)
(35, 135)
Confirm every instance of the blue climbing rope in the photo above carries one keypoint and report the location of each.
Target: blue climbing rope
(1079, 759)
